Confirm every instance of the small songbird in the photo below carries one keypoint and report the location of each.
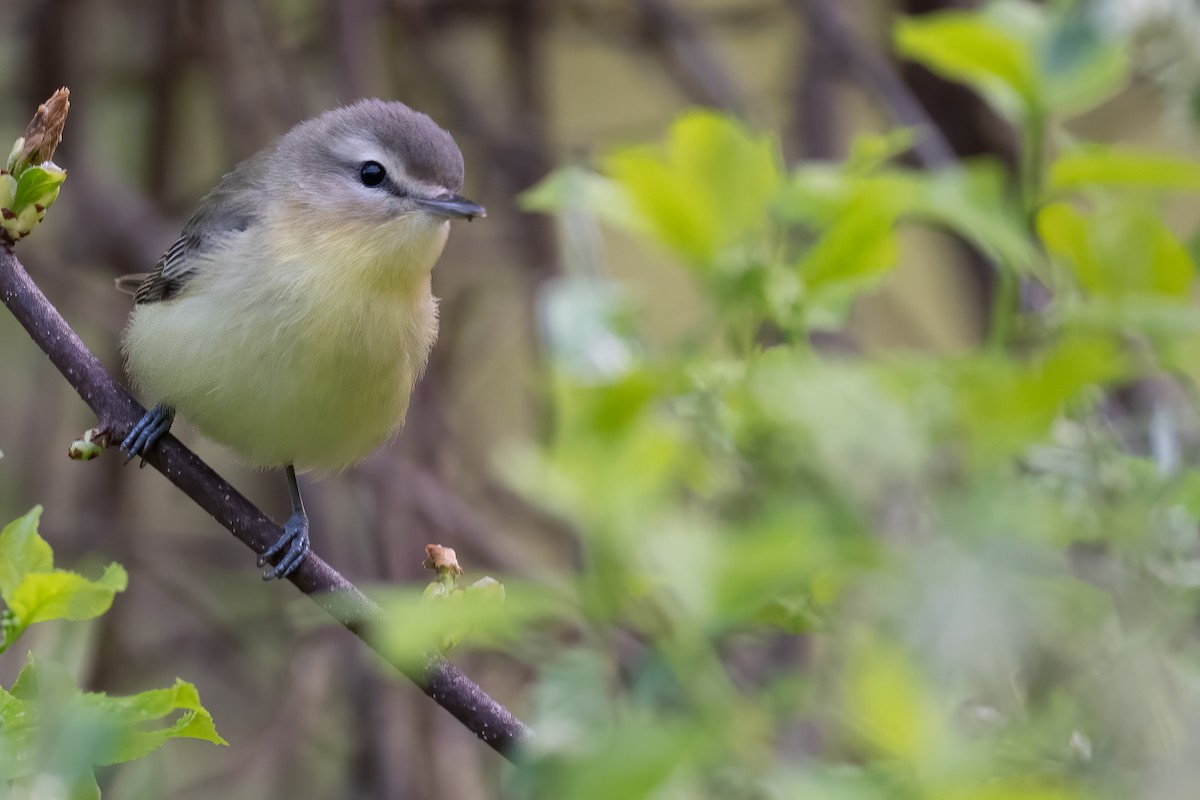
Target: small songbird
(293, 316)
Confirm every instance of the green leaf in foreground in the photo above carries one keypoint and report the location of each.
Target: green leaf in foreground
(43, 596)
(705, 189)
(977, 51)
(485, 614)
(35, 591)
(1100, 165)
(22, 551)
(1120, 252)
(48, 726)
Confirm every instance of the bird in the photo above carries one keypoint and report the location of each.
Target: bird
(293, 316)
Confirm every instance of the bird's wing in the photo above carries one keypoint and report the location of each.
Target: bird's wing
(169, 276)
(233, 206)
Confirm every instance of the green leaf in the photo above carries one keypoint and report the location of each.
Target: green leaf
(1100, 165)
(1064, 231)
(576, 189)
(971, 48)
(66, 595)
(127, 714)
(852, 256)
(36, 592)
(85, 788)
(88, 729)
(1119, 252)
(22, 551)
(1024, 59)
(485, 614)
(1003, 407)
(861, 246)
(38, 185)
(1082, 66)
(973, 200)
(706, 189)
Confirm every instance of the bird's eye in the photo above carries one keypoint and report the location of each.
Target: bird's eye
(372, 173)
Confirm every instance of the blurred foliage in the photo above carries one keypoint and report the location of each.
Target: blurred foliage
(51, 733)
(894, 575)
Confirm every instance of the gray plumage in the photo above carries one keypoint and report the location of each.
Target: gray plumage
(428, 152)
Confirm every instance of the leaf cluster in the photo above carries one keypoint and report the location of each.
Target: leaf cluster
(52, 734)
(807, 574)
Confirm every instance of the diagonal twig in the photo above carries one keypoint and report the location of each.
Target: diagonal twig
(117, 412)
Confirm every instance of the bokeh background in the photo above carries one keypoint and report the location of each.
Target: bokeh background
(168, 94)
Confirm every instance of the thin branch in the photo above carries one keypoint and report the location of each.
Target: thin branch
(117, 412)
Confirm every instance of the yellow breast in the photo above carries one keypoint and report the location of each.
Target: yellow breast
(306, 356)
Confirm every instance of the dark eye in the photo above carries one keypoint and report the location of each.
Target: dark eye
(372, 173)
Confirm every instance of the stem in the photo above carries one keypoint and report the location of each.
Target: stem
(1006, 309)
(1033, 135)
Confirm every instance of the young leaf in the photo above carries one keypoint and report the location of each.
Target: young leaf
(38, 185)
(1120, 252)
(66, 595)
(46, 705)
(852, 256)
(975, 50)
(1024, 59)
(36, 592)
(1100, 165)
(127, 715)
(705, 189)
(22, 551)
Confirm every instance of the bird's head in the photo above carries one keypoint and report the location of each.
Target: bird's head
(374, 175)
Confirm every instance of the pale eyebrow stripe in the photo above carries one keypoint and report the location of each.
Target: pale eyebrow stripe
(356, 151)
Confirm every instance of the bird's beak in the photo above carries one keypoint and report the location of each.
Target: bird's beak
(452, 206)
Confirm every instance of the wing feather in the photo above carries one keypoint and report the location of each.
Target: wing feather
(233, 206)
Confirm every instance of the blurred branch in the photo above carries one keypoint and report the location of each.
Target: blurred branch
(117, 412)
(825, 24)
(163, 93)
(815, 110)
(690, 55)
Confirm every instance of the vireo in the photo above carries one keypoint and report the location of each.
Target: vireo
(294, 314)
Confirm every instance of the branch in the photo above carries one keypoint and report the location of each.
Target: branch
(117, 412)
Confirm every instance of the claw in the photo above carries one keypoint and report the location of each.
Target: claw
(149, 429)
(294, 544)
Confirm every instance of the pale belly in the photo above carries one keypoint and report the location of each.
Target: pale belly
(320, 390)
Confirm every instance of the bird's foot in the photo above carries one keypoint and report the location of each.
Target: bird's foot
(294, 546)
(150, 428)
